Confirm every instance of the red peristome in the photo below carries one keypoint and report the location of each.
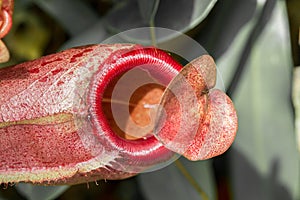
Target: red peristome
(6, 17)
(162, 67)
(8, 5)
(50, 118)
(6, 11)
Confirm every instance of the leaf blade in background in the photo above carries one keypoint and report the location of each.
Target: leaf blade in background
(170, 183)
(74, 15)
(38, 192)
(148, 9)
(264, 160)
(200, 11)
(29, 35)
(92, 35)
(222, 27)
(296, 102)
(296, 94)
(167, 16)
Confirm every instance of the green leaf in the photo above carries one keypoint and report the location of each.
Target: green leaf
(170, 183)
(296, 101)
(201, 9)
(148, 9)
(264, 159)
(37, 192)
(29, 35)
(179, 15)
(229, 17)
(74, 15)
(2, 198)
(93, 35)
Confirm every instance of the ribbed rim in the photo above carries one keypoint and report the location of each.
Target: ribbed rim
(141, 151)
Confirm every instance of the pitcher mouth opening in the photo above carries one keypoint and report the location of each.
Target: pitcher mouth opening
(135, 110)
(111, 112)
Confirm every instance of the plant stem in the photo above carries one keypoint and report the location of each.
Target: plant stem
(152, 33)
